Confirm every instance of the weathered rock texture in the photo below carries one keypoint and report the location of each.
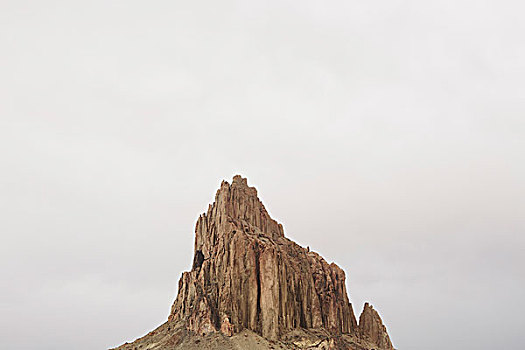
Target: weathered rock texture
(371, 328)
(247, 276)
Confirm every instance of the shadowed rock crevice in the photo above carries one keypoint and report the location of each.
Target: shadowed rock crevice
(258, 280)
(198, 259)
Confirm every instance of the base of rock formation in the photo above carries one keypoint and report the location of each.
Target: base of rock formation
(175, 337)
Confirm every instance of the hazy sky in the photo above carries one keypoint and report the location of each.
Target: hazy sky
(387, 135)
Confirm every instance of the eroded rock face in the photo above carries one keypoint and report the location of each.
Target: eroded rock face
(246, 275)
(247, 271)
(227, 327)
(371, 328)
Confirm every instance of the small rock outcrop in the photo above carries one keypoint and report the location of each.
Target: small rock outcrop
(371, 328)
(247, 276)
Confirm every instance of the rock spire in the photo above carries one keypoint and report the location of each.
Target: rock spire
(371, 328)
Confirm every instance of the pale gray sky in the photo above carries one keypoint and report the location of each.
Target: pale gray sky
(387, 135)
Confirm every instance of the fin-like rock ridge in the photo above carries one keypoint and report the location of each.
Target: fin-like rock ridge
(247, 276)
(371, 328)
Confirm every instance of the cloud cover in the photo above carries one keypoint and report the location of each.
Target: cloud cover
(386, 135)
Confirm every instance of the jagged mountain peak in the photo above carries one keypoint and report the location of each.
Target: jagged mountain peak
(247, 277)
(236, 208)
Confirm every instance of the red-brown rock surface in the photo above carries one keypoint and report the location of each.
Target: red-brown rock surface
(371, 328)
(247, 276)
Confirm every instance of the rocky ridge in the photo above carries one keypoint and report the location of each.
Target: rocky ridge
(248, 278)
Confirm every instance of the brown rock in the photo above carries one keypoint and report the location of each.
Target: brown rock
(247, 276)
(226, 327)
(371, 328)
(245, 268)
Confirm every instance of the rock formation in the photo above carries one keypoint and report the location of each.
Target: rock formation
(247, 277)
(371, 328)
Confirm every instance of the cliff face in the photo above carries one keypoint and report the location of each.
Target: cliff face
(247, 276)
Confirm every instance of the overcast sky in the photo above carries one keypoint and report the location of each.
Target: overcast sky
(387, 135)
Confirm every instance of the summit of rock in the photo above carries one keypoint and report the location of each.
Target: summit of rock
(248, 278)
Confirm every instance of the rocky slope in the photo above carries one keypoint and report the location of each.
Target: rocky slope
(251, 285)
